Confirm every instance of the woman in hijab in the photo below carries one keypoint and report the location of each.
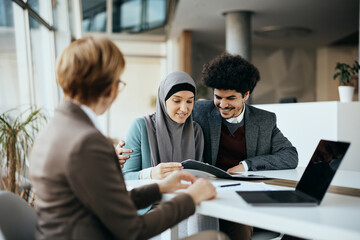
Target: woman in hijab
(160, 141)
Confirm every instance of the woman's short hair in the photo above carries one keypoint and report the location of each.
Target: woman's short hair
(88, 67)
(230, 72)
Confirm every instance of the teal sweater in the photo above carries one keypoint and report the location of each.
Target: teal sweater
(136, 138)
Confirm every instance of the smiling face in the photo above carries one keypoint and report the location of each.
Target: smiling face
(180, 105)
(230, 103)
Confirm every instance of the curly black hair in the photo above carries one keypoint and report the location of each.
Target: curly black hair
(230, 72)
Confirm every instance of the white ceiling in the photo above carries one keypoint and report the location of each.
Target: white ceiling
(329, 20)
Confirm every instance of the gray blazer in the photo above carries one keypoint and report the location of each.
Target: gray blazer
(80, 189)
(266, 146)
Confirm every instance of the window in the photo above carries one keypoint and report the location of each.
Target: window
(94, 15)
(155, 13)
(138, 15)
(27, 52)
(9, 81)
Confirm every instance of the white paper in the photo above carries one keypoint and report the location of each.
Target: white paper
(244, 186)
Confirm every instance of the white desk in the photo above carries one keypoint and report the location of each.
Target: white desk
(338, 216)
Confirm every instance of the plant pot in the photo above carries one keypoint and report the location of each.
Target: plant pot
(346, 93)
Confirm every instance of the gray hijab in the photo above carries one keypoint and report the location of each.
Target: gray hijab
(170, 141)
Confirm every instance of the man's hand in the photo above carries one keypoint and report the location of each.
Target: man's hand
(237, 168)
(173, 182)
(163, 170)
(120, 150)
(201, 190)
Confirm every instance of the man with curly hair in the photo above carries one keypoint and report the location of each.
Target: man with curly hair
(239, 137)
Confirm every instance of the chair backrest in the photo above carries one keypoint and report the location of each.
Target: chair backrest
(17, 218)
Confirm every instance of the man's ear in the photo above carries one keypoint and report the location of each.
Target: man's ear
(246, 96)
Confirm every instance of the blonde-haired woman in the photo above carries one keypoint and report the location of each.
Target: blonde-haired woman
(79, 186)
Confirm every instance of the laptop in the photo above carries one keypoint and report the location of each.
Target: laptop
(313, 184)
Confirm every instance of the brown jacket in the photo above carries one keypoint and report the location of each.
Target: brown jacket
(80, 189)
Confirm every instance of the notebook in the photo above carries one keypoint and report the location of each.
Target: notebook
(217, 172)
(313, 184)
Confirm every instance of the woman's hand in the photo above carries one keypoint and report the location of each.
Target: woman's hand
(173, 181)
(201, 190)
(120, 150)
(198, 189)
(162, 170)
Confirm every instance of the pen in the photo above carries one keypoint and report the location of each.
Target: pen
(230, 185)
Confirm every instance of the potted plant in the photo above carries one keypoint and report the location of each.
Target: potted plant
(345, 73)
(16, 138)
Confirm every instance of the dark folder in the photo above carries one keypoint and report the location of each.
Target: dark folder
(217, 172)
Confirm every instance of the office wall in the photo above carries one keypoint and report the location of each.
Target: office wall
(305, 124)
(145, 67)
(142, 76)
(201, 54)
(326, 59)
(284, 72)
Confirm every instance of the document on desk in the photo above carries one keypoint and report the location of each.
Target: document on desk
(241, 186)
(214, 171)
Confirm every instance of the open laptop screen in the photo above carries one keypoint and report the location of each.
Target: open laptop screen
(321, 168)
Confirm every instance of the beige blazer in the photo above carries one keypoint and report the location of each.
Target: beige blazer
(80, 189)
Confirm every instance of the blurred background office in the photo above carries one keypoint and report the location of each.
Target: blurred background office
(295, 44)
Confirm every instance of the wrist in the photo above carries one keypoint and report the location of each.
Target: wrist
(161, 187)
(193, 197)
(245, 166)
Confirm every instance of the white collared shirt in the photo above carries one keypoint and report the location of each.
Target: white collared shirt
(238, 119)
(91, 114)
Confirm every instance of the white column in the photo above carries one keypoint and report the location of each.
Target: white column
(238, 33)
(77, 15)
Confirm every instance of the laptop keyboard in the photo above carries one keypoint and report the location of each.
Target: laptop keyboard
(288, 196)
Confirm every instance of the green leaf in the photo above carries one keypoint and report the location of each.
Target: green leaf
(344, 71)
(16, 138)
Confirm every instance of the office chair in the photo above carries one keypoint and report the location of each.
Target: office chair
(17, 218)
